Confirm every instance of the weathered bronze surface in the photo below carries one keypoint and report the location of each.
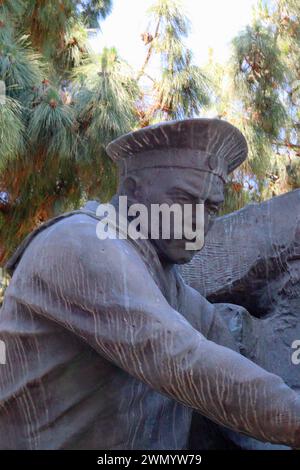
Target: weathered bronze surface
(252, 258)
(108, 348)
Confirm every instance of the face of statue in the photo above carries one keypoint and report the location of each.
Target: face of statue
(176, 186)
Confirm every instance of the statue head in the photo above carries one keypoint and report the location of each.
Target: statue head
(178, 162)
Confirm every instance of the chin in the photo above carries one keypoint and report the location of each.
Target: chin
(186, 258)
(179, 256)
(174, 252)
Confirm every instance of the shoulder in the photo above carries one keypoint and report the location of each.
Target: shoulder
(68, 259)
(72, 243)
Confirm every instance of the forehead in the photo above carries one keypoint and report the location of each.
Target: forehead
(198, 183)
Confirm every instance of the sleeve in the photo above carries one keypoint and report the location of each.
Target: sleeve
(212, 320)
(103, 293)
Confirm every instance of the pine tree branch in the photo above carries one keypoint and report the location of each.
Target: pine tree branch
(287, 145)
(149, 77)
(149, 53)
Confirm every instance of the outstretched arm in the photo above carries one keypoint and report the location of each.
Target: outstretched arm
(103, 292)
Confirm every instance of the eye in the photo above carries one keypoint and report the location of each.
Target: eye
(212, 209)
(186, 199)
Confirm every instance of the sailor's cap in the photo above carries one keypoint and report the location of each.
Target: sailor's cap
(210, 145)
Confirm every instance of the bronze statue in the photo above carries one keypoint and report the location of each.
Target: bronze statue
(107, 347)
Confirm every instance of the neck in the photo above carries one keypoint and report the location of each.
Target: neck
(165, 262)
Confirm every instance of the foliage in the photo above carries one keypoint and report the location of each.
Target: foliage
(52, 140)
(63, 104)
(261, 94)
(182, 89)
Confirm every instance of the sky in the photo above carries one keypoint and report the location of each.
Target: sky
(213, 24)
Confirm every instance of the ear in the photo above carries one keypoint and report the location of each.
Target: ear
(130, 185)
